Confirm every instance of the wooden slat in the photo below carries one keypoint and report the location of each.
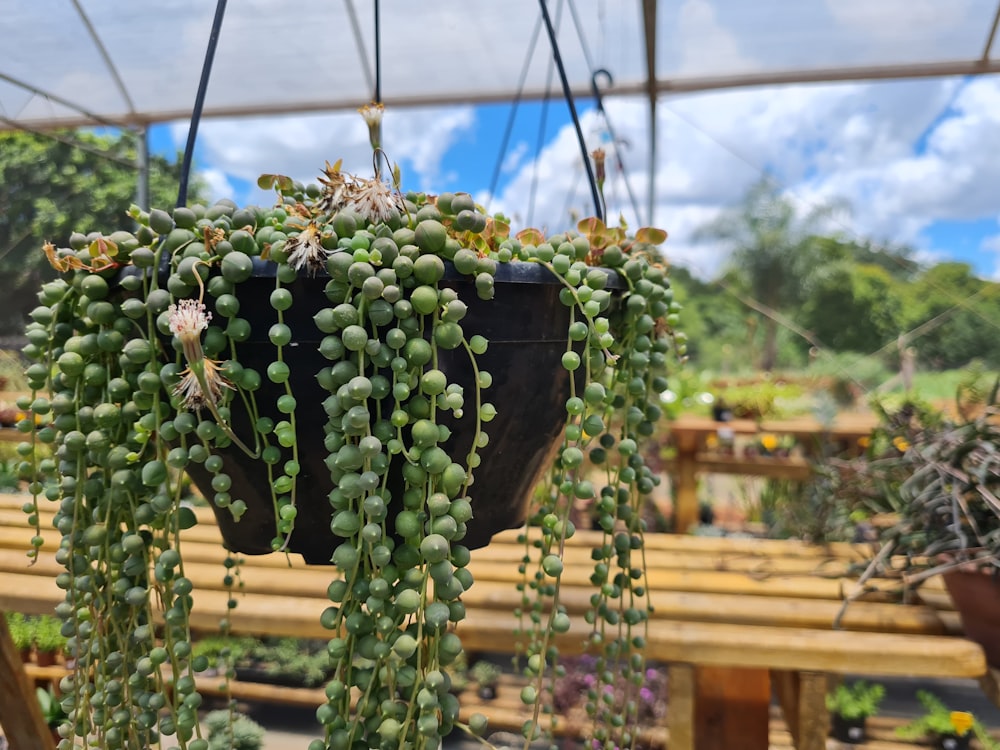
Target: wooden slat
(753, 647)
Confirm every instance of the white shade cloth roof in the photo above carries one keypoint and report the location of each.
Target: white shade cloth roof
(134, 62)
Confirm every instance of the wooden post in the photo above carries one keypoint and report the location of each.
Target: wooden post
(732, 709)
(20, 715)
(803, 702)
(680, 706)
(686, 477)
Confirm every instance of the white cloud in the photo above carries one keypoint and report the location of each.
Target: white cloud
(298, 146)
(706, 46)
(902, 154)
(219, 185)
(926, 18)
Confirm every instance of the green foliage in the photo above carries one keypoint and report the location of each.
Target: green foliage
(939, 720)
(286, 659)
(20, 630)
(233, 731)
(848, 375)
(52, 710)
(773, 253)
(49, 189)
(868, 304)
(218, 648)
(486, 673)
(789, 291)
(47, 633)
(856, 700)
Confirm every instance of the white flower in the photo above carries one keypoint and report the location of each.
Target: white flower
(373, 118)
(188, 318)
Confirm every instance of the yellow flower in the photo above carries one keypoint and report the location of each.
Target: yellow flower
(961, 721)
(900, 443)
(711, 442)
(768, 441)
(864, 441)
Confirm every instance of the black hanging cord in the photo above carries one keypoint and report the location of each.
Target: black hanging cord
(598, 97)
(199, 102)
(378, 53)
(572, 110)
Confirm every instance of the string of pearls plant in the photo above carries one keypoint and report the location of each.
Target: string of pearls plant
(137, 376)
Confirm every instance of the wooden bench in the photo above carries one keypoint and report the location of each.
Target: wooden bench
(734, 619)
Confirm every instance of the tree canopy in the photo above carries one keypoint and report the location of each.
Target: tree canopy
(50, 187)
(790, 288)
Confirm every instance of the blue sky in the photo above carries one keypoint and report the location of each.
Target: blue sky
(917, 161)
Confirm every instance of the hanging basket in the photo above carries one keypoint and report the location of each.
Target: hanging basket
(526, 326)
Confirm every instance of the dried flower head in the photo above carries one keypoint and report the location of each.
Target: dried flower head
(305, 250)
(196, 392)
(374, 200)
(335, 189)
(598, 156)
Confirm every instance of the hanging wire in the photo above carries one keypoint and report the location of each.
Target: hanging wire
(377, 98)
(199, 101)
(543, 118)
(620, 163)
(578, 25)
(509, 127)
(352, 17)
(595, 193)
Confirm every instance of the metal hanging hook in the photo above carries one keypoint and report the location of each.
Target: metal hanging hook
(596, 89)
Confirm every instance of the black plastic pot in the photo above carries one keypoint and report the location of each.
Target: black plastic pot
(851, 731)
(953, 741)
(526, 327)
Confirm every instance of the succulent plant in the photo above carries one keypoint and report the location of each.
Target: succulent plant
(138, 376)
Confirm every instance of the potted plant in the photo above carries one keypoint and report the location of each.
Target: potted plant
(48, 638)
(233, 731)
(945, 502)
(375, 380)
(949, 730)
(52, 710)
(487, 675)
(292, 662)
(850, 704)
(20, 634)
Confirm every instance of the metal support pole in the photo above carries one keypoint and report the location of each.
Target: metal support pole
(142, 163)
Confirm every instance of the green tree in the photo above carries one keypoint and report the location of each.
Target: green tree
(773, 252)
(954, 317)
(50, 188)
(853, 307)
